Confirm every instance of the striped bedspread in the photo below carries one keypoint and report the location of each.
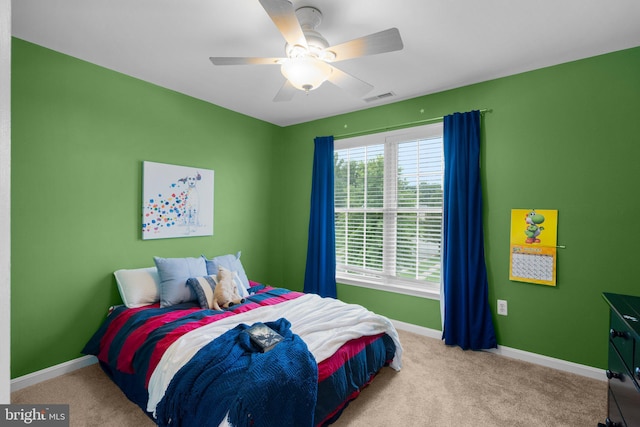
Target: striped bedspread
(143, 348)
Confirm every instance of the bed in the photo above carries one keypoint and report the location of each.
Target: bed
(186, 364)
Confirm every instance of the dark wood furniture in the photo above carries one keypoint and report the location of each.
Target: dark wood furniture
(624, 360)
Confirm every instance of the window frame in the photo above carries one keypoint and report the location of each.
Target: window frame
(420, 288)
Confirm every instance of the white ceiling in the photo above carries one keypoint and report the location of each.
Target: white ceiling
(447, 44)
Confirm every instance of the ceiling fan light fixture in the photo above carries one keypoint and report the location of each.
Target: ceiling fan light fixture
(306, 73)
(296, 51)
(309, 55)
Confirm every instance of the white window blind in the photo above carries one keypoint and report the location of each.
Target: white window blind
(388, 210)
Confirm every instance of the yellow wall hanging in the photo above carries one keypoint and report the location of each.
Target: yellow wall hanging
(534, 237)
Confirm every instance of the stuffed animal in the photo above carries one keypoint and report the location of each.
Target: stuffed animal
(226, 293)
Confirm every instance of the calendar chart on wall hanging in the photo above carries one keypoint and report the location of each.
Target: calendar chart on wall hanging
(533, 246)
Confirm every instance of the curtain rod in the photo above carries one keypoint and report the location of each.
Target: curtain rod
(394, 127)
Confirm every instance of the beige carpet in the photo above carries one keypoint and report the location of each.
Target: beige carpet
(437, 386)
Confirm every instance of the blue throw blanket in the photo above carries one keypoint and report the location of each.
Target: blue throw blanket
(257, 389)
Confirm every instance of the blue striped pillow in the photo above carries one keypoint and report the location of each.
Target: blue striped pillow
(203, 287)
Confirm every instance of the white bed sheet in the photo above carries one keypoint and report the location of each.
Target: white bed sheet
(324, 324)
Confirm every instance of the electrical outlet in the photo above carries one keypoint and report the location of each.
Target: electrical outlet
(502, 307)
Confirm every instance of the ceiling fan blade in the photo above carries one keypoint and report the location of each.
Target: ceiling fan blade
(353, 85)
(283, 15)
(381, 42)
(285, 93)
(231, 60)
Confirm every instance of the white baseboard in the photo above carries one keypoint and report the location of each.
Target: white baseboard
(538, 359)
(51, 372)
(420, 330)
(550, 362)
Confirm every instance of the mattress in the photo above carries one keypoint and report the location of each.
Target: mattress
(159, 357)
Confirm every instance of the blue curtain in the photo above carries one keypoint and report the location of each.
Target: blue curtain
(320, 274)
(467, 318)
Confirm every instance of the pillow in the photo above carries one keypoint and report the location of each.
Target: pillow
(242, 291)
(230, 262)
(139, 286)
(203, 287)
(174, 273)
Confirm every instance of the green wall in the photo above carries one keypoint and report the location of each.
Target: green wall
(564, 137)
(80, 134)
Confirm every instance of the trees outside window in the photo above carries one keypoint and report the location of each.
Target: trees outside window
(388, 210)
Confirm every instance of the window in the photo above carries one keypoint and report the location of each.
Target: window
(388, 210)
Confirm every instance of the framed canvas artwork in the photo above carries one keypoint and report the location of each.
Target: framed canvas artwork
(177, 201)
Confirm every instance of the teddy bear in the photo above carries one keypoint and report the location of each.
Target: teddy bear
(226, 293)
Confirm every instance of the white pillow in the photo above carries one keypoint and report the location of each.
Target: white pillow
(139, 286)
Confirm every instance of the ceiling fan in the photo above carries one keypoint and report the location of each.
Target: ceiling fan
(309, 56)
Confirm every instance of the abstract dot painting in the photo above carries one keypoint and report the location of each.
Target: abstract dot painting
(177, 201)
